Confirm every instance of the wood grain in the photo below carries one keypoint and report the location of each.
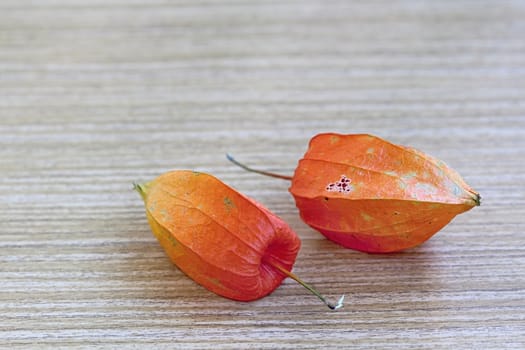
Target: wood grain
(97, 94)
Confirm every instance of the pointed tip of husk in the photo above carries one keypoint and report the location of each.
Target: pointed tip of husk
(477, 199)
(141, 189)
(473, 197)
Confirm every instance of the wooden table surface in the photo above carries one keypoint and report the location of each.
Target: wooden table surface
(97, 94)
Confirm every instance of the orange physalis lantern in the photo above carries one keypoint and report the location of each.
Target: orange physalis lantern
(368, 194)
(223, 240)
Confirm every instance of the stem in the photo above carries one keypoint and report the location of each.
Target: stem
(309, 287)
(262, 172)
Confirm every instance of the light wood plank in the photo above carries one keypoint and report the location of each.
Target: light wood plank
(97, 94)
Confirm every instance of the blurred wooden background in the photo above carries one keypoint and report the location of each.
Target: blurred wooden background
(97, 94)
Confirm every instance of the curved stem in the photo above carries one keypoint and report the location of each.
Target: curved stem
(262, 172)
(312, 290)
